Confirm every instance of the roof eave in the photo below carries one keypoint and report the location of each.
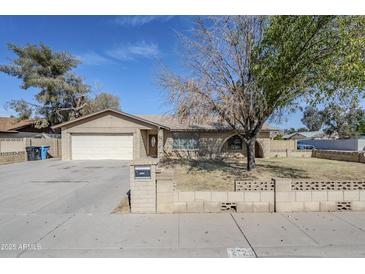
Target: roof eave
(8, 131)
(214, 129)
(22, 126)
(114, 111)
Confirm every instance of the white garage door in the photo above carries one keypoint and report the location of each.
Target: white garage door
(102, 146)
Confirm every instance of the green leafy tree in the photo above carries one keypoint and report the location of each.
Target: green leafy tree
(278, 137)
(361, 125)
(302, 129)
(23, 108)
(312, 118)
(344, 119)
(290, 130)
(62, 95)
(246, 69)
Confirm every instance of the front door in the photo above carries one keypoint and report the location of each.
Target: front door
(153, 145)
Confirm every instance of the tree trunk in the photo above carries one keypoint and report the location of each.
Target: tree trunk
(251, 163)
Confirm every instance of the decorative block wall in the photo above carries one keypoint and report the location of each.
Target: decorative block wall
(328, 185)
(12, 157)
(254, 186)
(158, 194)
(280, 195)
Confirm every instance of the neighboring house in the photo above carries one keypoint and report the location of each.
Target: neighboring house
(3, 131)
(305, 135)
(12, 128)
(111, 134)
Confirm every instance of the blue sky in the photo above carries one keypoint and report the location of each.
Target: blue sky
(119, 54)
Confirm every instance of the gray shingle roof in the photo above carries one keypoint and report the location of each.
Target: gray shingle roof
(306, 134)
(175, 124)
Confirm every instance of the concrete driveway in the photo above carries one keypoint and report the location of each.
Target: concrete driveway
(38, 197)
(63, 209)
(61, 187)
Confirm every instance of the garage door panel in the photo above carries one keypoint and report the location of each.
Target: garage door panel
(100, 146)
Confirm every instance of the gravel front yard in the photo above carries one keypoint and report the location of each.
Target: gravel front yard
(219, 175)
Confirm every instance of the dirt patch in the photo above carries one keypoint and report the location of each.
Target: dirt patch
(200, 175)
(123, 207)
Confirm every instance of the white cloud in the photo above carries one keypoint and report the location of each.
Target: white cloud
(134, 51)
(93, 59)
(140, 20)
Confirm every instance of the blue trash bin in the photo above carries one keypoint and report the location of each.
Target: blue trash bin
(44, 152)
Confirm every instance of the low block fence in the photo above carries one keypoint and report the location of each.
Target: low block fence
(340, 155)
(277, 195)
(158, 194)
(290, 154)
(14, 149)
(12, 157)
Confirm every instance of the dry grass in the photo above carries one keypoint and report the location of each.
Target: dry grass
(219, 175)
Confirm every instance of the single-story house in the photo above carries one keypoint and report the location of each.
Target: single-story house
(111, 134)
(306, 135)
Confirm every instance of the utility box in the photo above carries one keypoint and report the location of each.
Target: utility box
(143, 185)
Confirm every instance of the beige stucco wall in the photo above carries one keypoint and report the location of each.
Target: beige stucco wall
(283, 145)
(348, 156)
(20, 144)
(12, 145)
(211, 144)
(108, 123)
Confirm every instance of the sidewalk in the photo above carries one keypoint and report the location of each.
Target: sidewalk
(188, 235)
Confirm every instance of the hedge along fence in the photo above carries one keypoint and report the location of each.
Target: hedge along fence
(276, 195)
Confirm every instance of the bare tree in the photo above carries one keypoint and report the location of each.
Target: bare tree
(103, 100)
(244, 69)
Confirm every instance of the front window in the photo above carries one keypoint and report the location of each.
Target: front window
(185, 141)
(235, 143)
